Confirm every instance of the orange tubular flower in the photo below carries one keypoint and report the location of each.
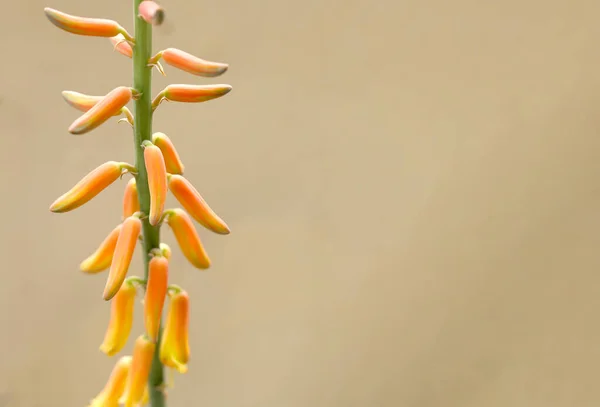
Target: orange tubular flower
(121, 319)
(157, 181)
(143, 351)
(192, 64)
(151, 12)
(120, 44)
(114, 388)
(172, 160)
(188, 238)
(122, 257)
(84, 103)
(156, 291)
(197, 207)
(90, 186)
(100, 260)
(174, 348)
(95, 27)
(191, 93)
(131, 202)
(108, 106)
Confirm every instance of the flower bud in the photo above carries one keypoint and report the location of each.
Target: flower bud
(157, 181)
(197, 207)
(188, 238)
(101, 259)
(110, 105)
(165, 250)
(131, 202)
(156, 291)
(192, 64)
(114, 388)
(95, 27)
(151, 12)
(174, 349)
(143, 352)
(124, 249)
(90, 186)
(172, 160)
(120, 44)
(190, 93)
(121, 319)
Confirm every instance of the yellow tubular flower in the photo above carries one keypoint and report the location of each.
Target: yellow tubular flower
(100, 260)
(114, 388)
(143, 352)
(121, 319)
(174, 348)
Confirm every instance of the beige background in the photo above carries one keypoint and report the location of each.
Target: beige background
(413, 189)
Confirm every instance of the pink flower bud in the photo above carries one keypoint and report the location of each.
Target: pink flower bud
(151, 12)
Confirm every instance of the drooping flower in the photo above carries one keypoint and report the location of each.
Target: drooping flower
(90, 186)
(172, 160)
(156, 292)
(191, 93)
(131, 202)
(174, 349)
(187, 238)
(95, 27)
(121, 319)
(115, 386)
(151, 12)
(110, 105)
(195, 205)
(143, 352)
(192, 64)
(101, 259)
(124, 249)
(157, 181)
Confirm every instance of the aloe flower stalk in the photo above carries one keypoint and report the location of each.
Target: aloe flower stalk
(138, 379)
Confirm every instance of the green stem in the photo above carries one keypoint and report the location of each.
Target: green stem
(142, 82)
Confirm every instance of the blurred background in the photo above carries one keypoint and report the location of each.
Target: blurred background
(412, 189)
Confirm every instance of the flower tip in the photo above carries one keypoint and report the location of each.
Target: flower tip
(226, 89)
(76, 130)
(107, 350)
(55, 207)
(108, 295)
(50, 13)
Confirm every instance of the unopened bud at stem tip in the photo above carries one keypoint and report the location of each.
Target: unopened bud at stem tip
(151, 12)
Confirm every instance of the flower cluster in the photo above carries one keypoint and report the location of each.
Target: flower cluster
(160, 171)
